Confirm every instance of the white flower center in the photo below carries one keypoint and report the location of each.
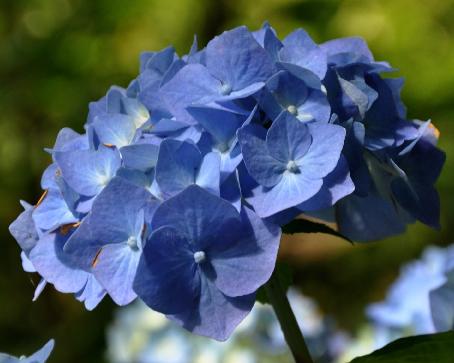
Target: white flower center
(292, 109)
(226, 89)
(103, 179)
(292, 167)
(199, 256)
(132, 243)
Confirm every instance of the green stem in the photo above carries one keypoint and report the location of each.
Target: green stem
(287, 320)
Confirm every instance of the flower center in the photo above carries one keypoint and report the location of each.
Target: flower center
(223, 147)
(132, 243)
(226, 89)
(292, 109)
(199, 256)
(103, 179)
(292, 167)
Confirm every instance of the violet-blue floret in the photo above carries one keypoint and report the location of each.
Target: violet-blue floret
(236, 138)
(41, 356)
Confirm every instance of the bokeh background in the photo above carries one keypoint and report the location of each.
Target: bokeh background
(58, 55)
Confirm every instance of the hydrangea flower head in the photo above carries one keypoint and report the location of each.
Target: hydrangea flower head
(177, 188)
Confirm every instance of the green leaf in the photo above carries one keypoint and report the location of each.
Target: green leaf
(432, 348)
(307, 226)
(285, 276)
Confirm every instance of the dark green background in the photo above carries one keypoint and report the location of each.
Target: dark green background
(57, 55)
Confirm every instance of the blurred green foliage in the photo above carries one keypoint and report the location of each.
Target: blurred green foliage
(57, 55)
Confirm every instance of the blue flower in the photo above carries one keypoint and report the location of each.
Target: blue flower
(204, 261)
(289, 161)
(235, 67)
(300, 53)
(116, 103)
(108, 242)
(181, 164)
(43, 253)
(221, 124)
(40, 356)
(367, 105)
(88, 171)
(401, 189)
(407, 306)
(286, 92)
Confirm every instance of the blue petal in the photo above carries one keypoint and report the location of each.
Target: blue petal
(53, 211)
(55, 266)
(27, 265)
(324, 152)
(208, 176)
(68, 139)
(117, 214)
(168, 280)
(24, 231)
(39, 289)
(301, 50)
(230, 190)
(347, 50)
(419, 200)
(48, 179)
(202, 217)
(216, 315)
(315, 107)
(368, 218)
(222, 125)
(43, 354)
(235, 58)
(114, 99)
(265, 169)
(92, 293)
(141, 157)
(247, 263)
(268, 39)
(115, 129)
(336, 185)
(293, 189)
(177, 166)
(158, 62)
(193, 84)
(288, 138)
(116, 267)
(87, 171)
(230, 159)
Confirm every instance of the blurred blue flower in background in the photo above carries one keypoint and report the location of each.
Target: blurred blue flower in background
(141, 335)
(420, 301)
(406, 309)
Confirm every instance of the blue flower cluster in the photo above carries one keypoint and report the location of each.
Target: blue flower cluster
(177, 188)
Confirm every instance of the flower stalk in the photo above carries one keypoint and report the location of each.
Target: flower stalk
(292, 333)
